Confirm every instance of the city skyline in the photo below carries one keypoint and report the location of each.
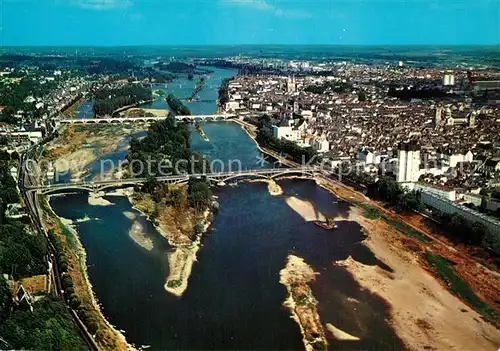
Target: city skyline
(252, 22)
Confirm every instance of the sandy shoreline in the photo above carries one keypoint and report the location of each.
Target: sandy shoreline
(181, 261)
(137, 233)
(296, 277)
(183, 256)
(439, 320)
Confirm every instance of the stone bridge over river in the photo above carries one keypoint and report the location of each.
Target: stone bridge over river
(120, 120)
(223, 177)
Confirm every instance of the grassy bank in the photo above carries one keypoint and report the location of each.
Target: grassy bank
(77, 288)
(443, 268)
(371, 212)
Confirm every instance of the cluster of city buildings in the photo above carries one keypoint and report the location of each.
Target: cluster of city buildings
(449, 142)
(40, 105)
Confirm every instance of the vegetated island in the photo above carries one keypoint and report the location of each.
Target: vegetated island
(296, 276)
(181, 213)
(177, 106)
(199, 86)
(109, 101)
(202, 132)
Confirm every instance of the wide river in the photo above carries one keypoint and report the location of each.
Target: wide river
(234, 299)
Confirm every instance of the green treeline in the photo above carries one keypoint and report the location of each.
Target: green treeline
(8, 191)
(176, 67)
(198, 87)
(23, 254)
(455, 226)
(199, 194)
(165, 150)
(335, 87)
(224, 91)
(472, 233)
(109, 100)
(48, 327)
(393, 194)
(177, 106)
(265, 137)
(408, 93)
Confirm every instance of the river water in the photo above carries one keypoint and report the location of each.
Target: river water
(183, 88)
(234, 298)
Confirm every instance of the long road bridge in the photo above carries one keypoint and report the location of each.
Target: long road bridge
(222, 177)
(120, 120)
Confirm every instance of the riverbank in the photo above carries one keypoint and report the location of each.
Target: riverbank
(72, 111)
(78, 146)
(125, 108)
(440, 320)
(145, 112)
(105, 335)
(422, 330)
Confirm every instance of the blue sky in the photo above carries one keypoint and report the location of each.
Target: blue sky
(198, 22)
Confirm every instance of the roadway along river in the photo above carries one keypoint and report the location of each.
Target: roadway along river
(234, 299)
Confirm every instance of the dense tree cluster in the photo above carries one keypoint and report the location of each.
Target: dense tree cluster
(224, 91)
(8, 192)
(199, 85)
(328, 86)
(494, 193)
(266, 138)
(176, 67)
(109, 100)
(393, 194)
(417, 93)
(106, 65)
(177, 106)
(165, 150)
(199, 194)
(244, 68)
(472, 233)
(13, 96)
(48, 327)
(457, 226)
(21, 253)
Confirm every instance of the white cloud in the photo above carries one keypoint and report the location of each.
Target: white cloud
(266, 6)
(256, 4)
(102, 4)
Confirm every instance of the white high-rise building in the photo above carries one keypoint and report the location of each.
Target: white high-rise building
(291, 85)
(408, 169)
(438, 119)
(449, 79)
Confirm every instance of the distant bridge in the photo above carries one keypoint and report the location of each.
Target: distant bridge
(223, 177)
(120, 120)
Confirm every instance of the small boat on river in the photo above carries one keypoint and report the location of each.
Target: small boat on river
(329, 224)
